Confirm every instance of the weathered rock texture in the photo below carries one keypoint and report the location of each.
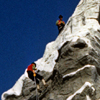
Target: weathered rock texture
(77, 69)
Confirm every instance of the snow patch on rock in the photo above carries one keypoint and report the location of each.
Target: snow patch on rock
(87, 97)
(75, 72)
(16, 89)
(81, 89)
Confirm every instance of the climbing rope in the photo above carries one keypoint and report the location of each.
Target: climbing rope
(37, 98)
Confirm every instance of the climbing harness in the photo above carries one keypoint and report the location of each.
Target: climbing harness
(37, 98)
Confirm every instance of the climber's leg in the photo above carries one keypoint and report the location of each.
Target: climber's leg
(37, 84)
(38, 88)
(44, 83)
(30, 75)
(42, 79)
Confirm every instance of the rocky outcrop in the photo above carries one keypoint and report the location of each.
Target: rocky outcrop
(71, 63)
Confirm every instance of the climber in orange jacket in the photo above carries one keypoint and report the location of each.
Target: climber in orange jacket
(60, 23)
(33, 75)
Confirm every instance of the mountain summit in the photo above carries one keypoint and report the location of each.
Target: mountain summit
(70, 64)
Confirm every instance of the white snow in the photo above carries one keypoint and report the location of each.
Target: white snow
(81, 89)
(16, 89)
(87, 97)
(75, 72)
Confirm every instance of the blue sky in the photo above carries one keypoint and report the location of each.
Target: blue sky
(26, 26)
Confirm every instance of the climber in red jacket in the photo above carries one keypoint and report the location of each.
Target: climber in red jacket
(60, 23)
(33, 75)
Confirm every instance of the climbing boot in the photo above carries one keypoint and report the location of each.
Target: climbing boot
(39, 90)
(46, 85)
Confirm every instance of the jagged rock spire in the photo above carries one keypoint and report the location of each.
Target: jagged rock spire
(71, 63)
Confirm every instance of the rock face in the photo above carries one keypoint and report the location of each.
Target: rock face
(76, 70)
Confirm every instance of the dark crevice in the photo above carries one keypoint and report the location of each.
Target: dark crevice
(99, 16)
(83, 20)
(98, 70)
(59, 51)
(64, 44)
(97, 39)
(79, 45)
